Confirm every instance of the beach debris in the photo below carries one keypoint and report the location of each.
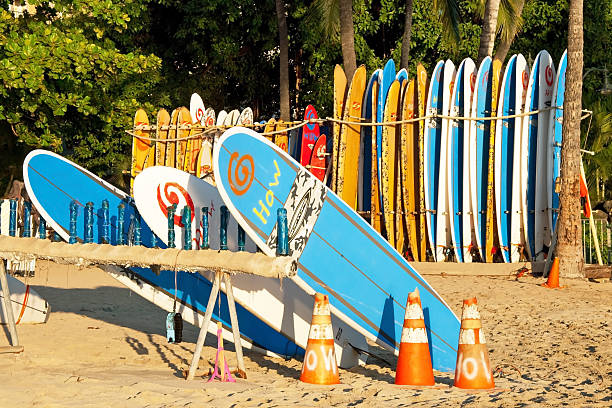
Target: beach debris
(473, 369)
(221, 369)
(320, 365)
(414, 361)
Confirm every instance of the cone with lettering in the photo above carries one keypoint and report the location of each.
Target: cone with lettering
(414, 361)
(473, 369)
(553, 276)
(320, 366)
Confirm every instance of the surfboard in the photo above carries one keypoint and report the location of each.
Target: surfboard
(364, 192)
(340, 83)
(504, 160)
(270, 127)
(555, 138)
(388, 165)
(281, 139)
(284, 306)
(221, 118)
(458, 180)
(310, 134)
(479, 154)
(542, 73)
(386, 79)
(421, 101)
(53, 182)
(204, 163)
(399, 215)
(492, 239)
(232, 118)
(375, 211)
(350, 140)
(172, 135)
(143, 150)
(197, 109)
(517, 242)
(28, 306)
(317, 162)
(468, 220)
(402, 75)
(246, 117)
(182, 154)
(431, 153)
(210, 117)
(410, 174)
(443, 237)
(163, 121)
(370, 281)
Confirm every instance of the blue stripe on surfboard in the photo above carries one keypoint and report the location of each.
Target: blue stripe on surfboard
(483, 132)
(433, 139)
(55, 183)
(558, 136)
(370, 280)
(532, 150)
(507, 157)
(388, 76)
(457, 160)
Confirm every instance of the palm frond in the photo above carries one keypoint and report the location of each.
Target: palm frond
(509, 21)
(447, 11)
(325, 16)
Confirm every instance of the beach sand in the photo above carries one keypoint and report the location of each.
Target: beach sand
(104, 346)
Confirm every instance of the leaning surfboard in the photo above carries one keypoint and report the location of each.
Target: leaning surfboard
(283, 306)
(370, 281)
(28, 305)
(53, 182)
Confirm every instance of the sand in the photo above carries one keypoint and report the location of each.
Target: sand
(104, 346)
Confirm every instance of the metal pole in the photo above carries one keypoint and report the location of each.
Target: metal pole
(204, 329)
(13, 217)
(89, 223)
(105, 223)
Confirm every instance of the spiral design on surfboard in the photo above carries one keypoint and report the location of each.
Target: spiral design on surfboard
(240, 173)
(173, 193)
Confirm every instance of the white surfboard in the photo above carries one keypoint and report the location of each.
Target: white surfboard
(283, 306)
(516, 235)
(469, 79)
(209, 119)
(197, 109)
(246, 117)
(232, 118)
(221, 118)
(443, 237)
(28, 305)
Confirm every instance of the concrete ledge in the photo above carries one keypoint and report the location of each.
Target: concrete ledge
(476, 268)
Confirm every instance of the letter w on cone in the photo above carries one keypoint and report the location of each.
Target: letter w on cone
(414, 361)
(473, 369)
(320, 366)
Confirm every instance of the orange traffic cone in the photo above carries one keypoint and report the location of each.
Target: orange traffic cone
(473, 369)
(553, 276)
(414, 361)
(320, 366)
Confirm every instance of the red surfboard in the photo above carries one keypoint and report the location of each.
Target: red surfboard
(317, 159)
(310, 134)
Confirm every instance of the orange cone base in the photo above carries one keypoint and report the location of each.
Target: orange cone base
(320, 365)
(547, 285)
(473, 369)
(414, 365)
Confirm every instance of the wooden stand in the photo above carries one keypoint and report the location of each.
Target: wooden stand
(8, 313)
(204, 329)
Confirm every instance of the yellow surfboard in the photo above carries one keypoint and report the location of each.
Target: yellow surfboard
(422, 97)
(270, 127)
(339, 96)
(172, 134)
(193, 147)
(389, 159)
(491, 219)
(281, 139)
(350, 141)
(163, 120)
(410, 173)
(400, 211)
(143, 150)
(184, 120)
(375, 215)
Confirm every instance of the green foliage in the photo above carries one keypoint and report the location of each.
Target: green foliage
(66, 86)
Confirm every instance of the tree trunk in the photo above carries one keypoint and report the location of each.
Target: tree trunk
(407, 34)
(489, 27)
(283, 36)
(504, 45)
(569, 242)
(347, 37)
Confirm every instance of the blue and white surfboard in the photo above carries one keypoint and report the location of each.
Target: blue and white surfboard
(337, 251)
(431, 152)
(53, 182)
(386, 79)
(365, 158)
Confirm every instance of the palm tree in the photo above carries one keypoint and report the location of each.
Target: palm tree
(407, 34)
(489, 28)
(499, 16)
(510, 26)
(347, 37)
(569, 232)
(283, 36)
